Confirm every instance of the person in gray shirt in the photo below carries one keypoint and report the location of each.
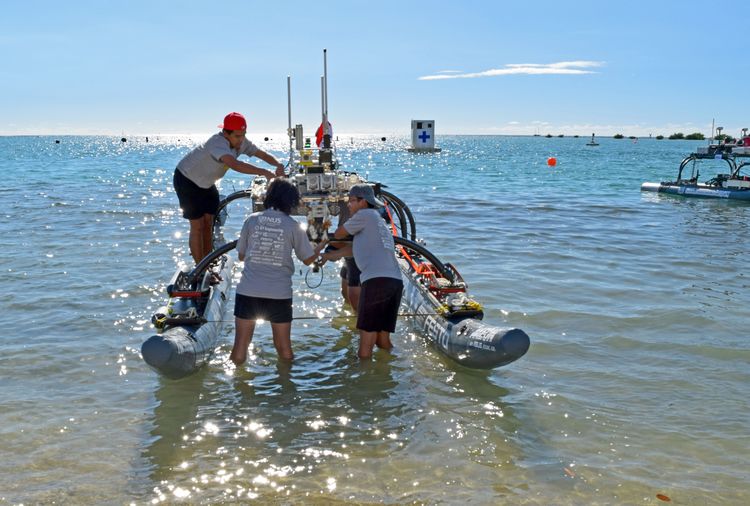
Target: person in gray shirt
(197, 173)
(349, 273)
(374, 251)
(266, 243)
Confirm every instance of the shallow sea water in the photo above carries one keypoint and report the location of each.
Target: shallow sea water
(636, 304)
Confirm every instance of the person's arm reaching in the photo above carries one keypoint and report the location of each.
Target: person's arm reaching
(245, 168)
(270, 160)
(311, 259)
(341, 233)
(335, 254)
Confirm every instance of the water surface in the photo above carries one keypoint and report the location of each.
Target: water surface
(636, 304)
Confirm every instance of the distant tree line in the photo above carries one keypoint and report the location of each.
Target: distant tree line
(695, 136)
(620, 136)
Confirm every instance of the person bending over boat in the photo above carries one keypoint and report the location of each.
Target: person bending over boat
(266, 243)
(197, 173)
(381, 285)
(350, 273)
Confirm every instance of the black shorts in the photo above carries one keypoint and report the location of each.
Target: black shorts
(259, 308)
(350, 272)
(194, 200)
(378, 304)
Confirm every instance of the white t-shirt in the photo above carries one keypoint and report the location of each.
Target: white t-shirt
(267, 241)
(203, 166)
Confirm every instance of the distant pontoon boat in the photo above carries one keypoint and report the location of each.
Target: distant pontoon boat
(732, 184)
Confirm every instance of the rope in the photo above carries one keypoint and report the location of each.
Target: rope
(400, 315)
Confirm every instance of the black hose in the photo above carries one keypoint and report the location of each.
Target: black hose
(407, 212)
(208, 260)
(421, 250)
(242, 194)
(399, 212)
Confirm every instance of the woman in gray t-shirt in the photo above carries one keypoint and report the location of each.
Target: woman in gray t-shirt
(266, 243)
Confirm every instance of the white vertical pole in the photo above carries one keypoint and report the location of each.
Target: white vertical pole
(289, 113)
(323, 101)
(325, 90)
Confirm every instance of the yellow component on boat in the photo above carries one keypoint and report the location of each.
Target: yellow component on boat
(472, 304)
(159, 318)
(306, 157)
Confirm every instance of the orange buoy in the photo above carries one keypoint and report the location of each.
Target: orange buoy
(551, 161)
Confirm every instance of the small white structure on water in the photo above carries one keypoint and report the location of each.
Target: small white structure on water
(423, 136)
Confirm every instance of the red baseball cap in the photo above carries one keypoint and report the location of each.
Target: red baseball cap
(234, 121)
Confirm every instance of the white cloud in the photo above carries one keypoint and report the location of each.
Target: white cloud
(563, 67)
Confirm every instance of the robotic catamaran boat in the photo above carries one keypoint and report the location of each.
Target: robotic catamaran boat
(732, 185)
(434, 293)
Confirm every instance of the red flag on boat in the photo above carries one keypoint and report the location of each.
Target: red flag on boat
(319, 133)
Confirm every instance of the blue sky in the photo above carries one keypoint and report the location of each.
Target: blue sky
(494, 67)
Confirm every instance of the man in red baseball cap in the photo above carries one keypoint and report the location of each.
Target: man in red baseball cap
(198, 172)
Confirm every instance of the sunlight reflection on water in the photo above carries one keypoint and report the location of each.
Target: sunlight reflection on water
(636, 306)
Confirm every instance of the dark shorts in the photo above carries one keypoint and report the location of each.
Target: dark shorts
(378, 304)
(258, 308)
(194, 200)
(350, 272)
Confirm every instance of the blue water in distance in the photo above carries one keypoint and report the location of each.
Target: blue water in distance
(636, 304)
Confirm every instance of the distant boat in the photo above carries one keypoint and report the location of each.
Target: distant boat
(593, 141)
(732, 185)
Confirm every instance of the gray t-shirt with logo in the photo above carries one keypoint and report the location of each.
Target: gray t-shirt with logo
(267, 241)
(203, 166)
(373, 245)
